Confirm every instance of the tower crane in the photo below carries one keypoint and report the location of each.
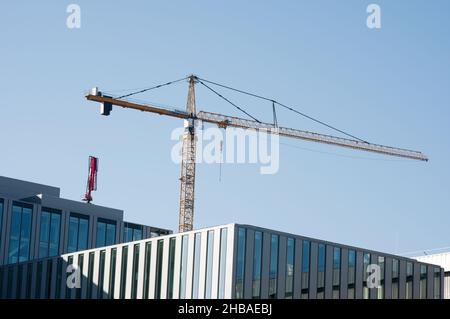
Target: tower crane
(191, 116)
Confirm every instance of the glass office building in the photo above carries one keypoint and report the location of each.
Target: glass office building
(36, 223)
(228, 261)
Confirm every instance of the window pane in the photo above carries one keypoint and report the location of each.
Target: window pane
(172, 244)
(134, 278)
(366, 262)
(148, 250)
(73, 234)
(336, 272)
(25, 235)
(196, 265)
(137, 234)
(14, 237)
(44, 234)
(110, 234)
(273, 268)
(83, 234)
(209, 262)
(159, 260)
(222, 262)
(320, 271)
(240, 263)
(183, 271)
(55, 226)
(101, 234)
(290, 250)
(257, 257)
(305, 268)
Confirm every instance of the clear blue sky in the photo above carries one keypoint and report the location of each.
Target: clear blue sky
(388, 86)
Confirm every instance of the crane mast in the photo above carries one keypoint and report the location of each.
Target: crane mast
(187, 176)
(191, 116)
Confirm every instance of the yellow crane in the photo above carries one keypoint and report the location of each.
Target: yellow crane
(191, 116)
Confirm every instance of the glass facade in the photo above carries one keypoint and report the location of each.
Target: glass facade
(380, 290)
(209, 264)
(437, 283)
(112, 275)
(222, 261)
(409, 280)
(336, 272)
(395, 278)
(1, 220)
(159, 265)
(132, 232)
(351, 275)
(20, 233)
(273, 267)
(196, 270)
(423, 282)
(321, 271)
(257, 259)
(320, 266)
(49, 231)
(240, 262)
(78, 232)
(148, 251)
(106, 233)
(171, 268)
(290, 253)
(306, 256)
(366, 273)
(101, 274)
(184, 261)
(134, 277)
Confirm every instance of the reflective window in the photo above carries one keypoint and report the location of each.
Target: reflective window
(58, 278)
(123, 272)
(437, 283)
(196, 270)
(112, 273)
(336, 272)
(148, 250)
(395, 278)
(273, 267)
(257, 258)
(366, 263)
(209, 264)
(423, 282)
(49, 233)
(172, 244)
(351, 274)
(306, 253)
(80, 267)
(290, 252)
(222, 262)
(183, 270)
(134, 275)
(409, 280)
(106, 233)
(132, 232)
(78, 232)
(101, 274)
(20, 233)
(380, 290)
(159, 260)
(321, 271)
(1, 220)
(68, 290)
(240, 263)
(90, 278)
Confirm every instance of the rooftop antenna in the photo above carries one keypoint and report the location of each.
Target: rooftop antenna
(92, 179)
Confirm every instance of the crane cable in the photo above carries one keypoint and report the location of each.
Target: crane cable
(151, 88)
(221, 96)
(282, 105)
